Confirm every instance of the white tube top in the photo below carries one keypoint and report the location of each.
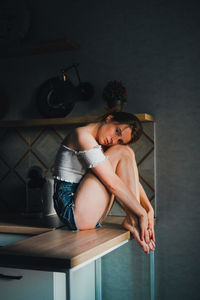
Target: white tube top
(71, 165)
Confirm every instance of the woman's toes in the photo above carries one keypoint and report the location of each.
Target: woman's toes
(145, 248)
(152, 245)
(135, 232)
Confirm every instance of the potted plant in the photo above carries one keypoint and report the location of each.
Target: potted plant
(115, 95)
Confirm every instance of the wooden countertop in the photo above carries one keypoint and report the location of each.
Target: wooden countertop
(27, 225)
(61, 249)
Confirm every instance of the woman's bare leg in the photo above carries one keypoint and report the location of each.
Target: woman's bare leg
(131, 177)
(127, 170)
(93, 200)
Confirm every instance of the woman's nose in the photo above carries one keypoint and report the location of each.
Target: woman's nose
(114, 140)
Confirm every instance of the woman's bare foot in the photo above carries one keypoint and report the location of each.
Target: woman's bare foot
(133, 228)
(136, 235)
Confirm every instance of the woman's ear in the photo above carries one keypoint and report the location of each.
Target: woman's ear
(109, 118)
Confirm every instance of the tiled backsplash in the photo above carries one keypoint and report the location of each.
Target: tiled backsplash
(22, 148)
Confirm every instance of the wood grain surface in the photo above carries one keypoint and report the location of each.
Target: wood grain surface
(26, 225)
(62, 249)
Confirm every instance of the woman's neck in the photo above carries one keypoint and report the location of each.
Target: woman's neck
(93, 129)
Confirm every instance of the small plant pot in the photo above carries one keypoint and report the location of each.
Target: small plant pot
(117, 105)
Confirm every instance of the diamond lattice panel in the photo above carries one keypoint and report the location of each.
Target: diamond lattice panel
(30, 135)
(62, 131)
(12, 148)
(146, 169)
(148, 129)
(148, 189)
(13, 199)
(4, 170)
(26, 163)
(23, 148)
(47, 146)
(141, 148)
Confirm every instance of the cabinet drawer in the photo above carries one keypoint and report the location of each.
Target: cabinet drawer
(20, 284)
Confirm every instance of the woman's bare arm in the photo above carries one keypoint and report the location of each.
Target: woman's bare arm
(115, 185)
(149, 209)
(144, 199)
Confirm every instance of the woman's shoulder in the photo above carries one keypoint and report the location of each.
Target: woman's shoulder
(80, 139)
(85, 139)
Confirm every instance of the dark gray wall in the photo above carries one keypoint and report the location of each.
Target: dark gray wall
(153, 47)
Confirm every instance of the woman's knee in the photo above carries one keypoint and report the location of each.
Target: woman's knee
(125, 152)
(121, 150)
(130, 151)
(120, 154)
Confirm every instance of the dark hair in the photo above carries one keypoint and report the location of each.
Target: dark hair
(129, 119)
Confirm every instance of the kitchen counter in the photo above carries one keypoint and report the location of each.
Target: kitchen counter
(55, 248)
(43, 259)
(24, 224)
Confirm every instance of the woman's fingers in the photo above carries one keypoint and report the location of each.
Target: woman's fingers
(152, 245)
(143, 221)
(152, 242)
(136, 232)
(151, 232)
(142, 234)
(146, 236)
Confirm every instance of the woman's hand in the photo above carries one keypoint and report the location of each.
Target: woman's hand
(150, 212)
(131, 223)
(150, 216)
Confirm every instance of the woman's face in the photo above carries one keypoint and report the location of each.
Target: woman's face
(113, 133)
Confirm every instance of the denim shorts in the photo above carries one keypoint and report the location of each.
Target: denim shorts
(64, 203)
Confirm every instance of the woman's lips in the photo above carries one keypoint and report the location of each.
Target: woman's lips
(106, 141)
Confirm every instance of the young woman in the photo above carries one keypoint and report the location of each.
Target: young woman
(93, 165)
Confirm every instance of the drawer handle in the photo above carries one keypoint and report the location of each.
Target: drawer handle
(2, 276)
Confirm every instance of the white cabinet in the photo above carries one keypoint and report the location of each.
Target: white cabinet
(20, 284)
(77, 284)
(81, 282)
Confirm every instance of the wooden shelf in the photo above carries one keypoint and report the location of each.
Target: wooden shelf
(38, 48)
(62, 121)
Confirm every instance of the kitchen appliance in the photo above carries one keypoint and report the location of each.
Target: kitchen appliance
(34, 187)
(47, 196)
(39, 194)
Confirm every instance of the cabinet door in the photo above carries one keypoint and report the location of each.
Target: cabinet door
(19, 284)
(82, 282)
